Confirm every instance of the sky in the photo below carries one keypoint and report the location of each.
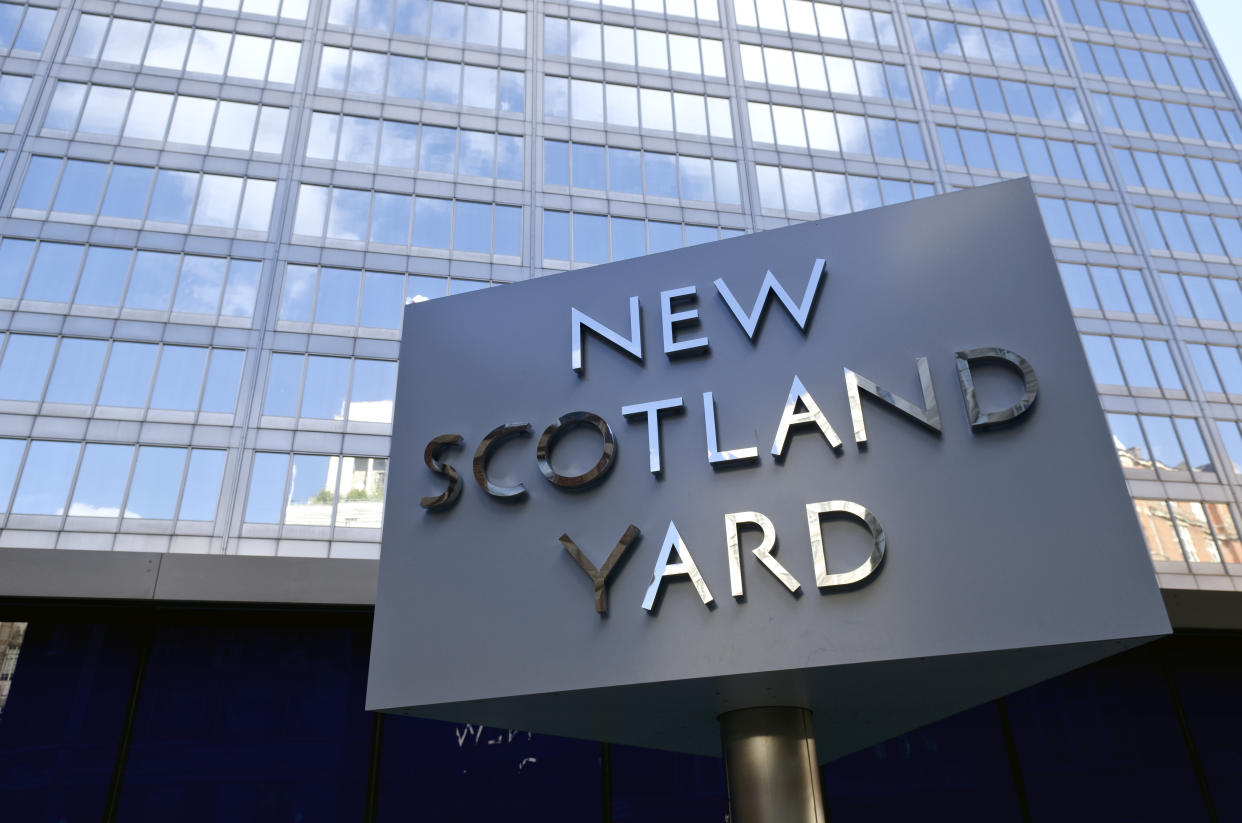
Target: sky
(1224, 22)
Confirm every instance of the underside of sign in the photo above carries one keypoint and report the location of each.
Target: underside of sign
(856, 465)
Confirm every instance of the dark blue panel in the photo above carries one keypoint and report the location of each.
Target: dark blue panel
(63, 720)
(955, 769)
(249, 724)
(1103, 743)
(1208, 674)
(433, 771)
(651, 786)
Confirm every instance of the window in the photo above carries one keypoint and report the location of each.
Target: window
(315, 387)
(1114, 291)
(13, 88)
(317, 490)
(978, 43)
(1145, 366)
(115, 481)
(836, 132)
(166, 198)
(826, 20)
(1169, 445)
(367, 302)
(1079, 221)
(1009, 8)
(632, 171)
(1195, 176)
(593, 238)
(1178, 530)
(1211, 302)
(82, 110)
(824, 73)
(413, 78)
(1147, 67)
(1009, 154)
(802, 191)
(84, 373)
(647, 50)
(365, 217)
(701, 9)
(179, 48)
(1131, 18)
(24, 28)
(284, 9)
(1190, 234)
(965, 92)
(690, 115)
(435, 20)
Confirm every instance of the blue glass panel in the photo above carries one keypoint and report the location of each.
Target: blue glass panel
(337, 302)
(63, 719)
(251, 723)
(14, 260)
(1103, 743)
(431, 223)
(954, 769)
(651, 786)
(126, 196)
(54, 272)
(474, 774)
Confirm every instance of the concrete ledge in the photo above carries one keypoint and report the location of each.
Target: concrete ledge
(186, 578)
(1197, 609)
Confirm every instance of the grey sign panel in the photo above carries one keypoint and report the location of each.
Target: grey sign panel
(921, 566)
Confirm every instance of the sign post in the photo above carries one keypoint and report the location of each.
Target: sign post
(855, 466)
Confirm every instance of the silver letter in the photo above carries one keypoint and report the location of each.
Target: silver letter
(652, 410)
(431, 454)
(800, 313)
(553, 433)
(763, 551)
(868, 567)
(791, 417)
(670, 318)
(714, 455)
(929, 415)
(1030, 386)
(663, 569)
(599, 577)
(483, 454)
(634, 345)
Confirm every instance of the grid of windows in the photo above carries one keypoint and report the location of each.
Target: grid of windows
(1143, 66)
(812, 71)
(415, 78)
(819, 130)
(396, 144)
(434, 20)
(1162, 117)
(128, 195)
(24, 28)
(122, 482)
(183, 49)
(827, 193)
(1116, 291)
(1208, 301)
(827, 20)
(1130, 17)
(379, 152)
(350, 301)
(597, 238)
(989, 95)
(1173, 446)
(291, 10)
(318, 388)
(317, 490)
(1072, 162)
(1009, 8)
(1163, 171)
(946, 39)
(86, 110)
(195, 288)
(1145, 366)
(632, 107)
(626, 46)
(361, 216)
(1188, 530)
(632, 171)
(100, 375)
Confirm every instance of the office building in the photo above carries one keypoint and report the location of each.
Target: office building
(212, 215)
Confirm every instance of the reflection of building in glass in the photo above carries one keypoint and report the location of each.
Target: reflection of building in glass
(11, 635)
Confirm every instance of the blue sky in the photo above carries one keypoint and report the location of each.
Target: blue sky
(1224, 21)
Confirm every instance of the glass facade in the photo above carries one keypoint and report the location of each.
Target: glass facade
(125, 715)
(211, 214)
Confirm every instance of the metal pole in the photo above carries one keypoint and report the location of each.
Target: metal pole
(770, 766)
